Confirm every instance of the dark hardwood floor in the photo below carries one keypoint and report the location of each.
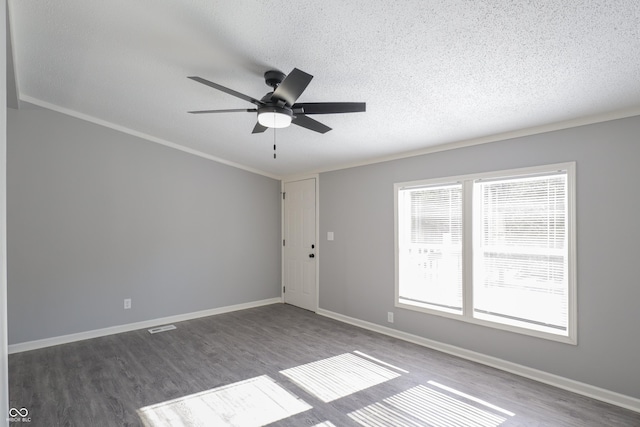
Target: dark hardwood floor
(281, 365)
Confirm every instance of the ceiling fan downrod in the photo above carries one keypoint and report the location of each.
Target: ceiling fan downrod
(273, 78)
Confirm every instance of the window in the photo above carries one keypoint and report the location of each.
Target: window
(431, 247)
(495, 249)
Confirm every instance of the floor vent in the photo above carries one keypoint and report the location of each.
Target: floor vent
(161, 329)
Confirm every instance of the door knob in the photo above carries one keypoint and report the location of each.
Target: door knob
(312, 255)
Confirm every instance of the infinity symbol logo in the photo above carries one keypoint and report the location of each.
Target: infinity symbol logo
(22, 412)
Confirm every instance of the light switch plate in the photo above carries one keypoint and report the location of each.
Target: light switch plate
(329, 235)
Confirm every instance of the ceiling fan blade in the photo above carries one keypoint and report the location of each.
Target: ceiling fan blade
(226, 90)
(309, 123)
(330, 107)
(233, 110)
(258, 128)
(292, 86)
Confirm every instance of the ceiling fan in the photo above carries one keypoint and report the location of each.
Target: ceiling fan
(278, 109)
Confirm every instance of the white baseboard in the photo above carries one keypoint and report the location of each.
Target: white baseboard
(64, 339)
(601, 394)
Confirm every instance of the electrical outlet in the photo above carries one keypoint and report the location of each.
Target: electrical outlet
(390, 317)
(127, 303)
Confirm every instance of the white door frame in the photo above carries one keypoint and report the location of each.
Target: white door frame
(4, 370)
(317, 233)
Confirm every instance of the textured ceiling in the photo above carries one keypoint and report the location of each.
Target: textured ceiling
(431, 72)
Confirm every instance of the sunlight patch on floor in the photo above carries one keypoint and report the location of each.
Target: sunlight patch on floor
(472, 398)
(422, 406)
(339, 376)
(359, 353)
(250, 403)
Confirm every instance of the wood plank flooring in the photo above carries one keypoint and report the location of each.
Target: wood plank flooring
(282, 366)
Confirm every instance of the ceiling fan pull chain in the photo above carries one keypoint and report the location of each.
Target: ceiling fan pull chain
(274, 143)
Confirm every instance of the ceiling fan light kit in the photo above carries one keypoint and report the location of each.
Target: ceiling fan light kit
(275, 117)
(278, 109)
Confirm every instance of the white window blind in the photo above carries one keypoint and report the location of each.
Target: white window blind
(521, 251)
(430, 244)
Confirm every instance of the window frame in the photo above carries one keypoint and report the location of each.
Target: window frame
(467, 182)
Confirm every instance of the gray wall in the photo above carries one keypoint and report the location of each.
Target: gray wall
(357, 268)
(96, 216)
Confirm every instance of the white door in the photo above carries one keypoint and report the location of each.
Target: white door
(300, 245)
